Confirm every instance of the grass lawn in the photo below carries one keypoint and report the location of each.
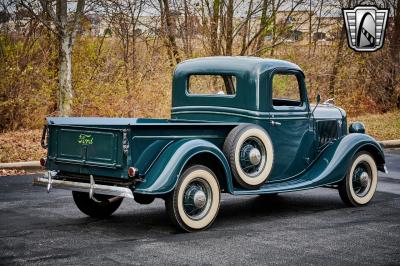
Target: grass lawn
(380, 126)
(24, 145)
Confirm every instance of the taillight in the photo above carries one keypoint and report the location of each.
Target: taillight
(43, 161)
(132, 171)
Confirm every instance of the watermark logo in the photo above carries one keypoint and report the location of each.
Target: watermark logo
(366, 26)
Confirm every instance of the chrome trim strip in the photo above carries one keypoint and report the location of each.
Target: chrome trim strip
(239, 110)
(208, 108)
(86, 163)
(301, 116)
(179, 137)
(223, 113)
(83, 187)
(216, 110)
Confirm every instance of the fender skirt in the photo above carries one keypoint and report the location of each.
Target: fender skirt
(164, 174)
(330, 167)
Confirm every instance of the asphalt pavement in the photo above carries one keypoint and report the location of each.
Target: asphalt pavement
(308, 227)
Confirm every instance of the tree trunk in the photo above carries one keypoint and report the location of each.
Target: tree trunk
(187, 31)
(263, 24)
(229, 27)
(309, 30)
(64, 24)
(65, 76)
(336, 64)
(163, 32)
(318, 25)
(246, 29)
(273, 27)
(394, 49)
(170, 34)
(214, 28)
(222, 20)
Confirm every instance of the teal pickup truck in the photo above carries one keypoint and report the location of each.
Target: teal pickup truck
(239, 125)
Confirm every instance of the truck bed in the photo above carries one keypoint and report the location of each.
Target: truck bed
(107, 147)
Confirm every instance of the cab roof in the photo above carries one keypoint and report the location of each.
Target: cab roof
(231, 64)
(252, 81)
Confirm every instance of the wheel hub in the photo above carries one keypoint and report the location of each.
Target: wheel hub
(361, 180)
(254, 156)
(364, 178)
(199, 199)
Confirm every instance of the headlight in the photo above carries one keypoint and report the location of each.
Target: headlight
(357, 127)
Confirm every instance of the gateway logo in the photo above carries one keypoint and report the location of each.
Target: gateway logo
(366, 26)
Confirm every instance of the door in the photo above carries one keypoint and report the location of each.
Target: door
(289, 125)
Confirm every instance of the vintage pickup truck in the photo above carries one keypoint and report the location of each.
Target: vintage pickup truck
(239, 125)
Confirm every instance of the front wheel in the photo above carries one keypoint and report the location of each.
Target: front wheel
(100, 206)
(359, 186)
(194, 203)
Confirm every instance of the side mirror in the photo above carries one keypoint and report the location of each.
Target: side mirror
(318, 101)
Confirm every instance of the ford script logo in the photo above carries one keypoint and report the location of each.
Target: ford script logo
(85, 139)
(366, 27)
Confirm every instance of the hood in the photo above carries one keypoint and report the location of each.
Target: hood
(328, 111)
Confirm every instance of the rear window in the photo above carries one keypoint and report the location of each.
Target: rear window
(212, 84)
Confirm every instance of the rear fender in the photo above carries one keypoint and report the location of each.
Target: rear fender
(163, 176)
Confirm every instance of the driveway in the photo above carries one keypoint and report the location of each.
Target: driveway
(308, 227)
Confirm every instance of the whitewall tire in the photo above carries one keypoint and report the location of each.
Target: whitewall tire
(359, 186)
(194, 203)
(250, 153)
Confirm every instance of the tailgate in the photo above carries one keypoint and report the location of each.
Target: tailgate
(85, 146)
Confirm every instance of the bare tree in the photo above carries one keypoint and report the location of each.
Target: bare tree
(214, 27)
(124, 19)
(263, 25)
(339, 52)
(394, 49)
(58, 18)
(229, 27)
(167, 23)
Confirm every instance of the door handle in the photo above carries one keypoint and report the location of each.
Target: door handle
(274, 123)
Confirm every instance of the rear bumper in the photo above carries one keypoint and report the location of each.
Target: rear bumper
(91, 188)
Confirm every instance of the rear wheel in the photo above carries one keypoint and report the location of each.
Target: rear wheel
(100, 206)
(194, 203)
(359, 186)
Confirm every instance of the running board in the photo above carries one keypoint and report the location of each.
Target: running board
(91, 188)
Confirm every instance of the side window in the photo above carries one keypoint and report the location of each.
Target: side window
(212, 84)
(286, 90)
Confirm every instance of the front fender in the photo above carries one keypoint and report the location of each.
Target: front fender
(163, 176)
(330, 167)
(333, 163)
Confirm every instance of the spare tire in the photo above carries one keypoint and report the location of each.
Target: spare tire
(250, 153)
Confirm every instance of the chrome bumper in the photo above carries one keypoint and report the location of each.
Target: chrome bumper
(91, 188)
